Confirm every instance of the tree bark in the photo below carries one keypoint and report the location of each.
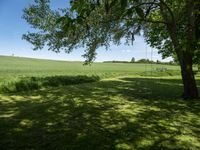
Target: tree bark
(189, 82)
(185, 58)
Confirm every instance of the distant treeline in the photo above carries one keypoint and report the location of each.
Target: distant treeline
(115, 61)
(143, 61)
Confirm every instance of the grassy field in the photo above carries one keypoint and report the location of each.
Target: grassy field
(15, 67)
(22, 74)
(116, 106)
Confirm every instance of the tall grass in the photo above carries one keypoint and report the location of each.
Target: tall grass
(33, 83)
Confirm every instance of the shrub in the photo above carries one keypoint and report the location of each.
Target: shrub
(34, 83)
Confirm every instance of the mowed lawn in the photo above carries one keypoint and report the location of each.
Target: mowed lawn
(125, 111)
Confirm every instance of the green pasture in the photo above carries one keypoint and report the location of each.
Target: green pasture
(112, 107)
(22, 74)
(16, 66)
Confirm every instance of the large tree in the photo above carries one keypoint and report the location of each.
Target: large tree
(172, 26)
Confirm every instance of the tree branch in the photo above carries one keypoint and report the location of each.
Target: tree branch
(168, 8)
(153, 21)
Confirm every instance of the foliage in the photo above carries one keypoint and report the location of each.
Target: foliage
(133, 60)
(77, 28)
(34, 83)
(145, 61)
(94, 24)
(44, 19)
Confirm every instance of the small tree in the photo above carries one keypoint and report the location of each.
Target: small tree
(133, 60)
(158, 62)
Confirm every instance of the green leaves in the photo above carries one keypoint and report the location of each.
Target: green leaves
(85, 24)
(107, 6)
(139, 12)
(61, 19)
(124, 4)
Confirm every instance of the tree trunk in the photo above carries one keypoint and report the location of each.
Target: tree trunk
(189, 82)
(185, 54)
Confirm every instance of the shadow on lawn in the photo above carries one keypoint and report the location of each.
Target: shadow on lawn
(131, 113)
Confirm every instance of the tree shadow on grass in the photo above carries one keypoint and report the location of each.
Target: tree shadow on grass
(153, 88)
(129, 113)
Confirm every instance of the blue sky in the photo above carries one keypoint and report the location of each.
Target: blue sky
(12, 27)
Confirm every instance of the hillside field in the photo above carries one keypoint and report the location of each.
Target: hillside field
(18, 66)
(47, 104)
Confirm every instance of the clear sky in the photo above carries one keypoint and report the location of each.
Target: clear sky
(12, 26)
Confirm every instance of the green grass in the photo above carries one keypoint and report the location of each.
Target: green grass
(14, 67)
(25, 84)
(128, 112)
(125, 113)
(17, 73)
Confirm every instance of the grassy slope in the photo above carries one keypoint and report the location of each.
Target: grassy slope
(14, 66)
(118, 113)
(16, 73)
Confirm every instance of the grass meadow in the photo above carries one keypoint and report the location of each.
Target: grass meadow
(57, 105)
